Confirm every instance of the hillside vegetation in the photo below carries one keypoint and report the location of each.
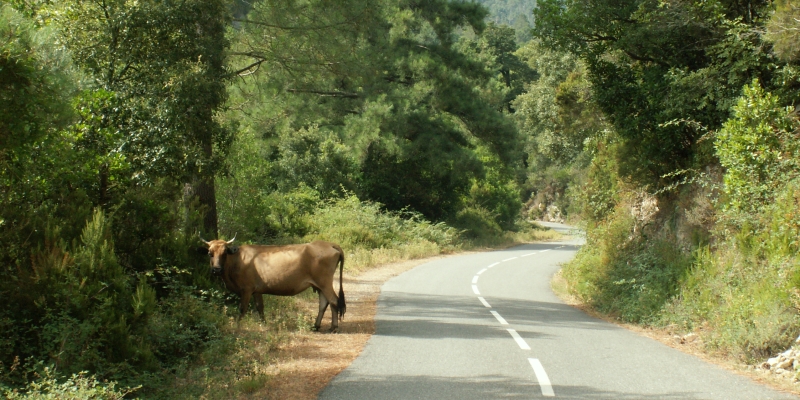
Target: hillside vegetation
(691, 193)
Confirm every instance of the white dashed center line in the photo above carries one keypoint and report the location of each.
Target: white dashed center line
(541, 376)
(520, 341)
(538, 369)
(499, 318)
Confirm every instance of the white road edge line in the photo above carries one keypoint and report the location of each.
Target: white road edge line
(481, 271)
(520, 341)
(529, 254)
(541, 376)
(499, 318)
(475, 289)
(484, 302)
(475, 279)
(509, 259)
(493, 265)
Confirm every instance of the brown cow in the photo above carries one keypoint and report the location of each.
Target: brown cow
(280, 270)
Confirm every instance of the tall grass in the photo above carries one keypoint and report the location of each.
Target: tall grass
(743, 294)
(624, 274)
(371, 236)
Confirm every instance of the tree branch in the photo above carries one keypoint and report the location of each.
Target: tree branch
(324, 93)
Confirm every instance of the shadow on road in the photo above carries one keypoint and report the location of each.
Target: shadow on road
(353, 386)
(432, 316)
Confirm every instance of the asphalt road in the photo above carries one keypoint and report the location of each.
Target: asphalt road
(487, 325)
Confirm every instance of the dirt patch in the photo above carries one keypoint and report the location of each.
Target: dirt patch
(689, 343)
(308, 361)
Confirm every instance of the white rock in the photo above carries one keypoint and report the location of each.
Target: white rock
(785, 364)
(772, 361)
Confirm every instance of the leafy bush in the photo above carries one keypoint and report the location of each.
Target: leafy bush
(625, 274)
(79, 386)
(361, 224)
(79, 309)
(477, 223)
(759, 149)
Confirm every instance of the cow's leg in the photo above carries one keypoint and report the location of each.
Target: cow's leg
(323, 305)
(330, 296)
(245, 301)
(259, 298)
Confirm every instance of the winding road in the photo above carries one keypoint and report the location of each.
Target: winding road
(487, 325)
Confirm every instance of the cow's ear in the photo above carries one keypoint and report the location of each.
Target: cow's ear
(202, 250)
(231, 250)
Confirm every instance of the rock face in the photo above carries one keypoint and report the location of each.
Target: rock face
(786, 363)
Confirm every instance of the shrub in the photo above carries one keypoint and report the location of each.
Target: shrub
(625, 274)
(80, 386)
(759, 149)
(361, 224)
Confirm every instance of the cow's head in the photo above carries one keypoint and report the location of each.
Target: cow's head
(218, 251)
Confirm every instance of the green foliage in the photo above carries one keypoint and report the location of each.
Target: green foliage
(477, 223)
(783, 32)
(759, 150)
(389, 81)
(563, 128)
(600, 193)
(75, 307)
(79, 386)
(628, 276)
(356, 224)
(515, 13)
(637, 51)
(35, 81)
(182, 327)
(741, 302)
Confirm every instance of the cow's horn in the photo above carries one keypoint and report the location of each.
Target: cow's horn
(234, 238)
(203, 240)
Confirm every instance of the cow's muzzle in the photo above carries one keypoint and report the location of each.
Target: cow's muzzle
(216, 270)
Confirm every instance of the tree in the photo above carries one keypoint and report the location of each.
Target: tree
(653, 64)
(35, 82)
(783, 30)
(160, 68)
(391, 81)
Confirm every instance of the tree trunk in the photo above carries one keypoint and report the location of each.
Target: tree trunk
(207, 196)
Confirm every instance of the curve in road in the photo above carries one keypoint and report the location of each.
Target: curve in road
(487, 325)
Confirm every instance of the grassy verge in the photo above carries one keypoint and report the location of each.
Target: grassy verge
(242, 363)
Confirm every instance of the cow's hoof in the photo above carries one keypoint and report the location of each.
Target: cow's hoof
(335, 329)
(315, 329)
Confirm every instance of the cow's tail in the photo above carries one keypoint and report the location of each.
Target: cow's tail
(341, 305)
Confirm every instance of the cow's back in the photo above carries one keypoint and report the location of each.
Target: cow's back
(289, 269)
